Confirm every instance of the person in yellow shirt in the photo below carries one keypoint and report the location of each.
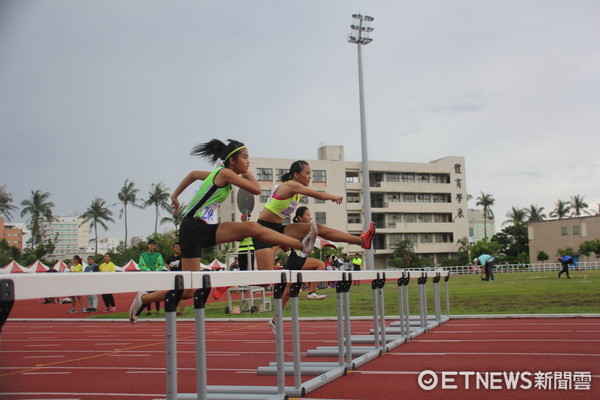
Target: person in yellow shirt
(77, 267)
(109, 300)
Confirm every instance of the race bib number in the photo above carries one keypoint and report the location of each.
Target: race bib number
(290, 210)
(209, 213)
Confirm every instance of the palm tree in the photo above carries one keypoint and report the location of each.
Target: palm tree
(535, 213)
(97, 213)
(39, 210)
(516, 216)
(159, 198)
(6, 206)
(176, 218)
(486, 201)
(561, 210)
(593, 212)
(127, 195)
(578, 205)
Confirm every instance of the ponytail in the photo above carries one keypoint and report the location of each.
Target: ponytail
(216, 150)
(295, 168)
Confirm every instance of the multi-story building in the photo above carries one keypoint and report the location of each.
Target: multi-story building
(550, 235)
(68, 235)
(12, 233)
(480, 227)
(423, 202)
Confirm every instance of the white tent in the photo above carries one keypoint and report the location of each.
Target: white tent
(216, 265)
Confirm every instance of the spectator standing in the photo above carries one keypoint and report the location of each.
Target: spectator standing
(245, 246)
(108, 299)
(356, 266)
(346, 264)
(77, 267)
(173, 263)
(151, 260)
(92, 299)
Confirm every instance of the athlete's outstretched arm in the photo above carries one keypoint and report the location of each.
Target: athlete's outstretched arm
(187, 181)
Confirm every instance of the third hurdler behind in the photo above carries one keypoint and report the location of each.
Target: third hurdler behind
(200, 228)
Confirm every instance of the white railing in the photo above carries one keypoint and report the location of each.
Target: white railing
(510, 268)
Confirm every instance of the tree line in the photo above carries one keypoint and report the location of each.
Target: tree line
(510, 245)
(38, 208)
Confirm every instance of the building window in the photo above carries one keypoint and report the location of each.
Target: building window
(351, 177)
(264, 174)
(279, 172)
(440, 198)
(354, 218)
(407, 178)
(304, 200)
(409, 198)
(410, 218)
(423, 178)
(564, 231)
(319, 175)
(424, 198)
(440, 178)
(392, 177)
(577, 230)
(426, 238)
(320, 217)
(264, 196)
(393, 197)
(425, 218)
(353, 197)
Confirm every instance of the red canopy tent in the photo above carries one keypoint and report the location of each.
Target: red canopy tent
(13, 267)
(60, 266)
(38, 267)
(130, 266)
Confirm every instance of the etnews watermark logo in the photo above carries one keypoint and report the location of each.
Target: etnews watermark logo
(563, 380)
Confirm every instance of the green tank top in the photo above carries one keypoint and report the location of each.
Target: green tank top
(284, 208)
(205, 203)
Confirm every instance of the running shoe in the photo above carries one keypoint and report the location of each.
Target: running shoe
(315, 296)
(367, 237)
(136, 307)
(309, 240)
(218, 292)
(72, 311)
(272, 325)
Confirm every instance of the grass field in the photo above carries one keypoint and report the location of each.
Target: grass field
(514, 293)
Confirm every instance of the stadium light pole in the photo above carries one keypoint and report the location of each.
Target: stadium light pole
(360, 37)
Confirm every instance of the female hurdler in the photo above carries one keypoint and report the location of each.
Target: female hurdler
(200, 228)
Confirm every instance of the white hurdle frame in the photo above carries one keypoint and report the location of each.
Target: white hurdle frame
(26, 286)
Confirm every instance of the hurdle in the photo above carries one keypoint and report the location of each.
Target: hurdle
(349, 356)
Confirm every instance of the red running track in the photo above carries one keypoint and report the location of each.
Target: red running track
(96, 359)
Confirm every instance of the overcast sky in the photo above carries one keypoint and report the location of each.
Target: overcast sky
(96, 92)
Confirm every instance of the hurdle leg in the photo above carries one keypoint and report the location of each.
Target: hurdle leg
(171, 300)
(200, 297)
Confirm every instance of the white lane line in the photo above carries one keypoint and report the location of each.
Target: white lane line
(112, 344)
(36, 357)
(44, 345)
(47, 373)
(129, 355)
